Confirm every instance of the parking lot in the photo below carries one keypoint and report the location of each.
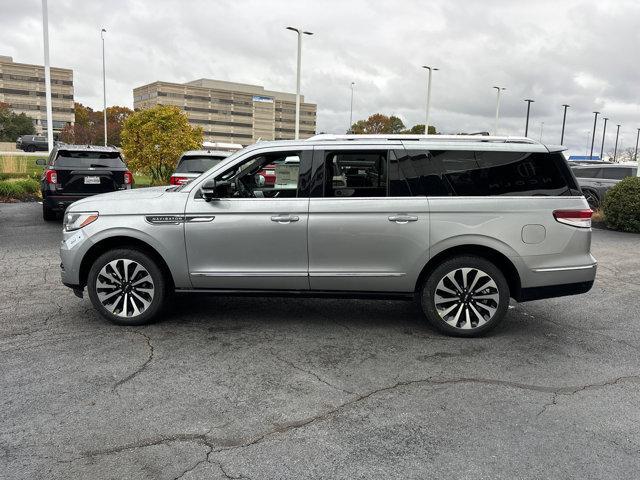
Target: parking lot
(300, 388)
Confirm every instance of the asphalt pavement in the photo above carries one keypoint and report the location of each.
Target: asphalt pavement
(266, 388)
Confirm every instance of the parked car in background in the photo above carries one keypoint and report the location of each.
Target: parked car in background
(34, 143)
(595, 179)
(194, 163)
(459, 223)
(73, 172)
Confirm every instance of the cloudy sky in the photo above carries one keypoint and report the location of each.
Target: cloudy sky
(583, 53)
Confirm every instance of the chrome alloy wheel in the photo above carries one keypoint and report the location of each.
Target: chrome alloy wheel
(466, 298)
(125, 288)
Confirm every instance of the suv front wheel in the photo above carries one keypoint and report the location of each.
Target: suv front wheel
(465, 296)
(126, 287)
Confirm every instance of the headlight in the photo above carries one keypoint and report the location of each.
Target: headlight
(74, 221)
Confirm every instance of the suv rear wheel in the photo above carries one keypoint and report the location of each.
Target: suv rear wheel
(126, 287)
(47, 214)
(465, 296)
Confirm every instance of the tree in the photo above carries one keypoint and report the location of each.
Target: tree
(376, 124)
(12, 124)
(89, 126)
(381, 124)
(154, 139)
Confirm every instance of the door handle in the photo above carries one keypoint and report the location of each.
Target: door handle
(285, 218)
(403, 218)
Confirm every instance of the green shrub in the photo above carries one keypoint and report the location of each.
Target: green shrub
(11, 190)
(622, 205)
(29, 185)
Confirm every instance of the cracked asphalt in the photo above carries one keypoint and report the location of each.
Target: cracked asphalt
(265, 388)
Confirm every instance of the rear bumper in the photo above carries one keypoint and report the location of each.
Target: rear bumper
(551, 291)
(61, 202)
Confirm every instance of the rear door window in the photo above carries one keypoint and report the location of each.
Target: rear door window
(88, 159)
(352, 173)
(415, 173)
(197, 163)
(617, 173)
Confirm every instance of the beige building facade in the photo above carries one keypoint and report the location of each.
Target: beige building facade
(22, 87)
(232, 112)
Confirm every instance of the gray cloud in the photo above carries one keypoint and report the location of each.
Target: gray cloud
(576, 52)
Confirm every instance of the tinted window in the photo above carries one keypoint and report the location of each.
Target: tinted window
(617, 173)
(503, 173)
(415, 173)
(197, 164)
(351, 173)
(590, 172)
(87, 159)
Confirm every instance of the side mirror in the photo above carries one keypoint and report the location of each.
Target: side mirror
(212, 190)
(41, 162)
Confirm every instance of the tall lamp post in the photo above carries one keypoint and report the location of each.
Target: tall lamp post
(604, 132)
(564, 120)
(526, 125)
(593, 136)
(104, 88)
(47, 73)
(499, 90)
(426, 122)
(353, 84)
(300, 32)
(615, 149)
(635, 155)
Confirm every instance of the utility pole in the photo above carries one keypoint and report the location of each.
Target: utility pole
(615, 149)
(351, 109)
(526, 125)
(300, 32)
(104, 88)
(564, 120)
(604, 132)
(47, 73)
(499, 90)
(593, 137)
(635, 155)
(431, 70)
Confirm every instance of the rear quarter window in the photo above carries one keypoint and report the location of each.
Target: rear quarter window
(197, 164)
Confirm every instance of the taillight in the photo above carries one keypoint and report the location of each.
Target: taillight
(575, 218)
(175, 180)
(51, 176)
(128, 178)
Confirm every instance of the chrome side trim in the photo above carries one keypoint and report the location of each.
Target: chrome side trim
(565, 269)
(199, 219)
(356, 274)
(248, 274)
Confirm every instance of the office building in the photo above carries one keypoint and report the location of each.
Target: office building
(22, 87)
(232, 112)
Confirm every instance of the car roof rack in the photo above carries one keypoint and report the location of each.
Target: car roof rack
(430, 138)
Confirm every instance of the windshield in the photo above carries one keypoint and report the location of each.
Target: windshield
(89, 159)
(197, 164)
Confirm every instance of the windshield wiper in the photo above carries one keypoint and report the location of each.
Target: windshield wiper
(98, 165)
(195, 171)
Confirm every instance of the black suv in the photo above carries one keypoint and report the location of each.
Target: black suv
(596, 178)
(73, 172)
(33, 143)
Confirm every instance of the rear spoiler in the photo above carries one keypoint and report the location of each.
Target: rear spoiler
(556, 148)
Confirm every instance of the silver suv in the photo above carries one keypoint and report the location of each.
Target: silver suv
(460, 223)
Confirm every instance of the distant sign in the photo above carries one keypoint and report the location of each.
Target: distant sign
(258, 98)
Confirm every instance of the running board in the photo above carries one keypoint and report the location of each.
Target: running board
(302, 293)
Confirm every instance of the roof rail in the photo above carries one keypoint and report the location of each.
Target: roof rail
(431, 138)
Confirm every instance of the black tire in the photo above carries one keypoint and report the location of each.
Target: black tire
(48, 215)
(483, 276)
(115, 262)
(30, 148)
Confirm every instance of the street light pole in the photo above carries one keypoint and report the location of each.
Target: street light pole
(615, 149)
(104, 88)
(541, 131)
(593, 136)
(564, 120)
(47, 73)
(351, 109)
(604, 132)
(499, 90)
(431, 70)
(300, 33)
(526, 125)
(635, 155)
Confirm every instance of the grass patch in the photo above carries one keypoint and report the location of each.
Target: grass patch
(19, 189)
(17, 164)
